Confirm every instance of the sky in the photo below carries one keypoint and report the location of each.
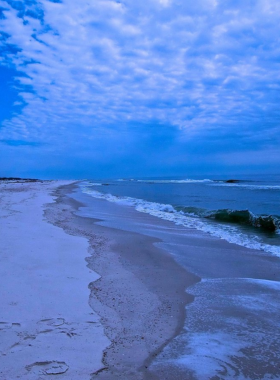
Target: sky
(125, 88)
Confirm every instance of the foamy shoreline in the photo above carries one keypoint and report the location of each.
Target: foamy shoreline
(234, 305)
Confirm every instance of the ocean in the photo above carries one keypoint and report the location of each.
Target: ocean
(241, 210)
(232, 328)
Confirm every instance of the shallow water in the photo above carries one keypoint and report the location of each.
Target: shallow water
(232, 331)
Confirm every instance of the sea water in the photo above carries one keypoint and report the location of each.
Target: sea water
(241, 210)
(232, 328)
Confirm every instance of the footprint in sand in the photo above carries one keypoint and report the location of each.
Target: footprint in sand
(47, 368)
(8, 325)
(52, 321)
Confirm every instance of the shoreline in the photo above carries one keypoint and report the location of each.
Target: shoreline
(100, 290)
(144, 312)
(235, 303)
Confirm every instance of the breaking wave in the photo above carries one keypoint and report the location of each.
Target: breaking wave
(266, 222)
(243, 217)
(211, 182)
(247, 186)
(187, 180)
(203, 220)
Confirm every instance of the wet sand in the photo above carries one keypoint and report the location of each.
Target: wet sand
(140, 295)
(232, 328)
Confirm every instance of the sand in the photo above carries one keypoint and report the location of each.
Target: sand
(96, 290)
(47, 328)
(140, 296)
(64, 317)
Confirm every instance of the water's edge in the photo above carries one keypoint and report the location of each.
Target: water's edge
(88, 228)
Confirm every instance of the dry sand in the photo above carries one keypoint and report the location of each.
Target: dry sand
(47, 328)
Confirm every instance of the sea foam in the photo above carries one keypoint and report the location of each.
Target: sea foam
(187, 180)
(230, 233)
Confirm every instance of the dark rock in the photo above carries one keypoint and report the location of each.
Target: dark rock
(232, 181)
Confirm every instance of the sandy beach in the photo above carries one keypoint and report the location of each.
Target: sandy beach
(99, 290)
(47, 327)
(58, 316)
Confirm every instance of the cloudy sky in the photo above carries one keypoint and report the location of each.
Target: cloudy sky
(105, 88)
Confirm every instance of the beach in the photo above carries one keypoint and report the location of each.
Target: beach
(57, 314)
(47, 327)
(94, 289)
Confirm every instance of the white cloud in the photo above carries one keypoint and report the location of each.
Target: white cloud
(165, 3)
(94, 64)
